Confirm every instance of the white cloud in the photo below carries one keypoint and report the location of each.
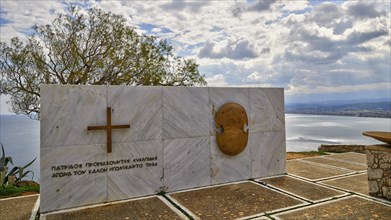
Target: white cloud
(22, 15)
(233, 49)
(217, 81)
(331, 47)
(292, 6)
(4, 108)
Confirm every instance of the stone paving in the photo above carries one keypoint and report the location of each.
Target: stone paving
(305, 190)
(351, 207)
(325, 187)
(234, 201)
(18, 207)
(313, 172)
(336, 163)
(354, 183)
(147, 208)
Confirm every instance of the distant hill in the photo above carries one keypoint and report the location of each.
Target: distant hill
(380, 109)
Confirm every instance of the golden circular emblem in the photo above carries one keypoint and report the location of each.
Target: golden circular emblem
(231, 128)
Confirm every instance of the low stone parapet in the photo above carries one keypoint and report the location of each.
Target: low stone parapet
(342, 148)
(379, 170)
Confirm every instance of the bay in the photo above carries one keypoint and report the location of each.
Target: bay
(21, 135)
(308, 132)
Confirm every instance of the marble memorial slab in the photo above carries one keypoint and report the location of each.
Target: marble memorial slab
(168, 143)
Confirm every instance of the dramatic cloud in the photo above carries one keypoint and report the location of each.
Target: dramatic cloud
(326, 13)
(261, 5)
(181, 5)
(314, 49)
(365, 9)
(233, 49)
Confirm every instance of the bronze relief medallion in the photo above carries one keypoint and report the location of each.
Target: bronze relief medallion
(231, 128)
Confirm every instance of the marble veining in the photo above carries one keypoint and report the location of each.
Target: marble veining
(144, 179)
(266, 113)
(186, 163)
(221, 96)
(67, 111)
(225, 168)
(76, 190)
(141, 107)
(276, 99)
(268, 153)
(185, 112)
(174, 125)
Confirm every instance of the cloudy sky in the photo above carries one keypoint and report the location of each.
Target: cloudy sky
(316, 50)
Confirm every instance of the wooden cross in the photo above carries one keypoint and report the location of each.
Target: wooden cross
(108, 128)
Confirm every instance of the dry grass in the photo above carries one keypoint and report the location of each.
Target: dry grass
(298, 155)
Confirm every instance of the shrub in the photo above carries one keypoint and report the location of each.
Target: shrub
(18, 172)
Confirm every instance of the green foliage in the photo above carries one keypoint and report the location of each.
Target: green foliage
(9, 191)
(18, 172)
(94, 48)
(322, 153)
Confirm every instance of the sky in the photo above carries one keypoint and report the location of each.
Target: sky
(315, 50)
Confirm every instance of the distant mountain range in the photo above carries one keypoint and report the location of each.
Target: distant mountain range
(380, 109)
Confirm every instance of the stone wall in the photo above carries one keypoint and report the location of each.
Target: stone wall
(342, 148)
(379, 170)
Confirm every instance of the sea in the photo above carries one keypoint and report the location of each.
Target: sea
(20, 135)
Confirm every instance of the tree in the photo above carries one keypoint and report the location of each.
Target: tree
(94, 48)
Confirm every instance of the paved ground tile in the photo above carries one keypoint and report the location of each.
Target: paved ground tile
(350, 156)
(352, 207)
(337, 163)
(312, 171)
(303, 189)
(233, 201)
(356, 183)
(17, 208)
(149, 208)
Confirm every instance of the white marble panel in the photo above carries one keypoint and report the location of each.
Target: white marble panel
(268, 153)
(186, 163)
(221, 96)
(67, 111)
(142, 180)
(266, 109)
(175, 125)
(225, 168)
(139, 106)
(276, 98)
(79, 188)
(185, 112)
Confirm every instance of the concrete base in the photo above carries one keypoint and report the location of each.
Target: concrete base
(379, 170)
(339, 196)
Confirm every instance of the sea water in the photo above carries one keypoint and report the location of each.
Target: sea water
(308, 132)
(20, 135)
(20, 138)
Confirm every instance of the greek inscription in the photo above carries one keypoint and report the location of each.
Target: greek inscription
(151, 164)
(107, 163)
(101, 170)
(66, 167)
(61, 174)
(125, 167)
(97, 167)
(79, 172)
(143, 159)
